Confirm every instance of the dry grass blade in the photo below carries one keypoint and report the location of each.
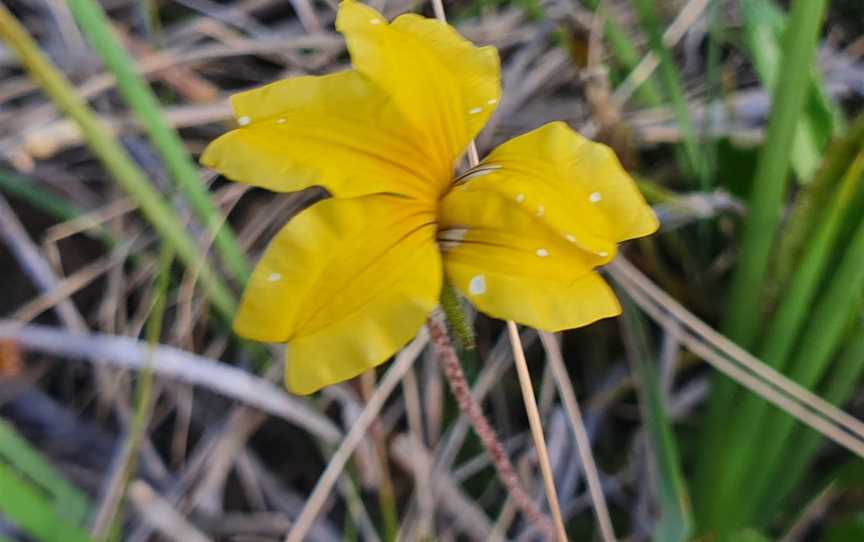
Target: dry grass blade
(583, 444)
(467, 514)
(38, 268)
(358, 431)
(685, 19)
(536, 429)
(170, 362)
(68, 286)
(739, 364)
(162, 516)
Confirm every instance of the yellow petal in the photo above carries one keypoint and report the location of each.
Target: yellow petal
(554, 162)
(338, 131)
(523, 231)
(346, 284)
(512, 264)
(444, 85)
(550, 305)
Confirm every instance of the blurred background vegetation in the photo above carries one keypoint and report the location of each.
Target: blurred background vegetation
(128, 411)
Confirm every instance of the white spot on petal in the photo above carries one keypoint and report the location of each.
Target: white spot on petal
(475, 110)
(570, 237)
(520, 198)
(452, 238)
(595, 197)
(542, 252)
(478, 171)
(244, 120)
(376, 20)
(281, 121)
(541, 211)
(477, 285)
(454, 234)
(274, 277)
(493, 101)
(602, 253)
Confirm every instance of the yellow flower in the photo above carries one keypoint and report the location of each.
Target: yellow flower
(351, 279)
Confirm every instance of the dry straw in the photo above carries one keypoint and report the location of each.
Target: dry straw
(737, 363)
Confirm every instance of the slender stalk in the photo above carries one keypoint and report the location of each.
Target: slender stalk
(469, 406)
(536, 428)
(522, 371)
(583, 443)
(114, 158)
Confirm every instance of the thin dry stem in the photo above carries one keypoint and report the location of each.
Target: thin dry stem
(583, 444)
(172, 363)
(522, 370)
(738, 364)
(159, 514)
(421, 469)
(679, 27)
(536, 429)
(331, 474)
(462, 392)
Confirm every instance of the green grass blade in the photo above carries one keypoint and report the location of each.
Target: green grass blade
(828, 324)
(763, 25)
(141, 99)
(36, 196)
(676, 522)
(52, 205)
(627, 55)
(674, 87)
(842, 383)
(720, 491)
(770, 179)
(116, 160)
(745, 311)
(28, 509)
(811, 202)
(714, 85)
(70, 503)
